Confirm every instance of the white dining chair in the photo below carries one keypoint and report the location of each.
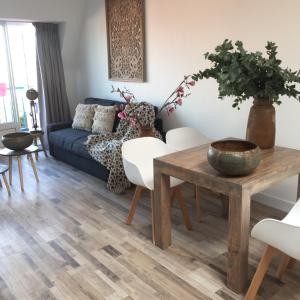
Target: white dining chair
(138, 155)
(184, 138)
(282, 238)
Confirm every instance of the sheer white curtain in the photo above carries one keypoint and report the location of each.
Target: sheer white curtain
(17, 74)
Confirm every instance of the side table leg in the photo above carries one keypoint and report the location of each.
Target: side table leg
(34, 168)
(6, 184)
(36, 153)
(238, 244)
(10, 169)
(43, 146)
(20, 172)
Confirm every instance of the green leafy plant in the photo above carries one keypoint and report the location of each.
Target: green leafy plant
(244, 74)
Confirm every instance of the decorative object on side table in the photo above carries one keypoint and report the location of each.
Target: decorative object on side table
(176, 98)
(234, 157)
(17, 141)
(245, 75)
(36, 134)
(32, 95)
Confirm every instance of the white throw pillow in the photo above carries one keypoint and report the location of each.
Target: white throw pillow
(104, 119)
(83, 118)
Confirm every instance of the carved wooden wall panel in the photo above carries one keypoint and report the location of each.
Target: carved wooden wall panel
(126, 39)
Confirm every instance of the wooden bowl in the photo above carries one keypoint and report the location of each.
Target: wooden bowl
(234, 157)
(17, 141)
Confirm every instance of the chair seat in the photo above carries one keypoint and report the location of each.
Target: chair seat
(282, 235)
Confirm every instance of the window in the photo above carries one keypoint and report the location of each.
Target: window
(17, 73)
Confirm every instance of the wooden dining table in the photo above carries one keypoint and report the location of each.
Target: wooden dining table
(192, 166)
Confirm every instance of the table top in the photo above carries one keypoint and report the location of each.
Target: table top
(8, 152)
(3, 168)
(192, 165)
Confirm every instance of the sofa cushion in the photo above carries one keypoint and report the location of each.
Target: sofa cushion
(103, 119)
(83, 118)
(71, 140)
(106, 102)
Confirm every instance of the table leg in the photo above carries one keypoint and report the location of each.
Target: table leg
(161, 209)
(20, 172)
(225, 205)
(43, 146)
(10, 169)
(34, 168)
(198, 205)
(298, 189)
(238, 244)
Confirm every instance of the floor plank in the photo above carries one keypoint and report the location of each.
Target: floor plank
(66, 238)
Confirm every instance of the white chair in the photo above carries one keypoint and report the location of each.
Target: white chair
(138, 155)
(184, 138)
(282, 238)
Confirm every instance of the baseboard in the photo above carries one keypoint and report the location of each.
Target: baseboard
(273, 201)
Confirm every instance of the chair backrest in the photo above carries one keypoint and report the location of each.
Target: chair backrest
(138, 155)
(185, 138)
(293, 217)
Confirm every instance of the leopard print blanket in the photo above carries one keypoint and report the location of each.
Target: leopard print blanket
(106, 147)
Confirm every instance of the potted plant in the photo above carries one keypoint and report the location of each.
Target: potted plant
(244, 75)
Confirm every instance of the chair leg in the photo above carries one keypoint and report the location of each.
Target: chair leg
(6, 184)
(284, 264)
(184, 210)
(135, 200)
(260, 272)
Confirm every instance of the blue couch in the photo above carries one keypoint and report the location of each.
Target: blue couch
(67, 144)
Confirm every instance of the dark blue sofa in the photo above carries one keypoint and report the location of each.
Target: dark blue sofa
(67, 144)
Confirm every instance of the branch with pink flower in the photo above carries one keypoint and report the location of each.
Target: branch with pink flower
(178, 95)
(176, 98)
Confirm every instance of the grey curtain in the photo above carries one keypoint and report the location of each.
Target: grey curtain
(53, 99)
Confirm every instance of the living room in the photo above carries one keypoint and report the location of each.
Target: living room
(87, 212)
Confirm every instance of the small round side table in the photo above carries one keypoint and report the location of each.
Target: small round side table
(3, 170)
(11, 153)
(38, 135)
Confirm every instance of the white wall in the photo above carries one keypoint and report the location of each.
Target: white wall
(67, 12)
(177, 34)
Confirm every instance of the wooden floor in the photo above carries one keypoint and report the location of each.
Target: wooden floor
(66, 238)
